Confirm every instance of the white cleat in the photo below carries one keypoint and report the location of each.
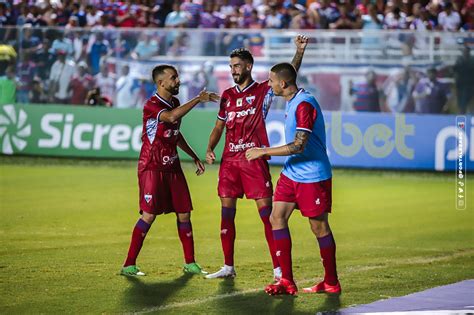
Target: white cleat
(277, 274)
(224, 272)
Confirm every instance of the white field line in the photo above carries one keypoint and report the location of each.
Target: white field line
(414, 261)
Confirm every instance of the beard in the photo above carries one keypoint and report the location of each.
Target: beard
(173, 90)
(240, 78)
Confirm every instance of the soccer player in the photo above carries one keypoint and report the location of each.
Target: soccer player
(242, 113)
(304, 183)
(163, 187)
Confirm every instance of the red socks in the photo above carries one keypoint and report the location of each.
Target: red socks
(265, 216)
(185, 231)
(228, 234)
(138, 235)
(282, 240)
(327, 249)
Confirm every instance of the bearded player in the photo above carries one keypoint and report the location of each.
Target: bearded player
(162, 185)
(242, 113)
(305, 181)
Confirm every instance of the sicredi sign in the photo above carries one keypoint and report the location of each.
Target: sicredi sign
(368, 140)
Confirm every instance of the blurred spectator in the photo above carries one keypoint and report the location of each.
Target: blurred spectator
(8, 87)
(327, 11)
(430, 95)
(37, 95)
(80, 85)
(30, 43)
(179, 45)
(106, 82)
(398, 90)
(464, 79)
(395, 19)
(346, 20)
(420, 19)
(274, 19)
(72, 23)
(127, 90)
(60, 76)
(95, 98)
(449, 20)
(26, 71)
(93, 15)
(146, 48)
(366, 94)
(372, 20)
(99, 48)
(194, 9)
(177, 18)
(7, 58)
(63, 44)
(128, 14)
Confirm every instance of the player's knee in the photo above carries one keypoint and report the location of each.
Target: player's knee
(184, 217)
(277, 220)
(320, 228)
(148, 217)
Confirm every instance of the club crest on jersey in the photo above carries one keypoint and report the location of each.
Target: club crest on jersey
(148, 198)
(250, 99)
(239, 102)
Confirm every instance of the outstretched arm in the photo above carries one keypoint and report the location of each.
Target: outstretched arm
(295, 147)
(214, 138)
(171, 116)
(301, 41)
(183, 145)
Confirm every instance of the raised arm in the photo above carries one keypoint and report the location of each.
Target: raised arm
(171, 116)
(300, 42)
(295, 147)
(183, 145)
(214, 138)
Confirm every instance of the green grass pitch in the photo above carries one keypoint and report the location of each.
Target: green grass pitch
(66, 224)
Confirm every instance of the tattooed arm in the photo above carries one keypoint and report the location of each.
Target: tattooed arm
(295, 147)
(300, 42)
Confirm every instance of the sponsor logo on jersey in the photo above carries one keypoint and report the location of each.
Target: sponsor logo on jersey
(241, 146)
(148, 198)
(170, 132)
(169, 160)
(250, 99)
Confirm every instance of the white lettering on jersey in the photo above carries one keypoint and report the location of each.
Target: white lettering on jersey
(170, 132)
(241, 146)
(168, 160)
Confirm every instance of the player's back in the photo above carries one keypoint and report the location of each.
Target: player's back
(159, 139)
(244, 112)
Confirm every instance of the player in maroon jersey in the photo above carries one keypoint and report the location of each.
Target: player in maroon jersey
(242, 113)
(163, 188)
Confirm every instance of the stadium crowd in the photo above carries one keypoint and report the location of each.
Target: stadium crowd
(66, 62)
(252, 14)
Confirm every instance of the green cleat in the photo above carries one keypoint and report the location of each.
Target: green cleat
(194, 268)
(131, 270)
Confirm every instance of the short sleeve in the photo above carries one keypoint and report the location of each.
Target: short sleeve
(221, 115)
(305, 117)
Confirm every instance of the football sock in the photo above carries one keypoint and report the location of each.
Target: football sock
(282, 240)
(327, 249)
(138, 235)
(185, 232)
(228, 234)
(265, 216)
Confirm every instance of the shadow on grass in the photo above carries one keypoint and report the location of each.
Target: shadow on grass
(142, 295)
(330, 306)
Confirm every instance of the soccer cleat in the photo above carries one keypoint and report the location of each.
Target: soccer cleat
(131, 270)
(323, 287)
(224, 272)
(283, 286)
(277, 274)
(194, 268)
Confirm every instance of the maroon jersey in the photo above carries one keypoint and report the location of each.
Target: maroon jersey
(159, 139)
(244, 112)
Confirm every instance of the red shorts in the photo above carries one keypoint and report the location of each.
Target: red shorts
(250, 177)
(163, 192)
(313, 199)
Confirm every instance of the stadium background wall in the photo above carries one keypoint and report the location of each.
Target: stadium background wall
(365, 140)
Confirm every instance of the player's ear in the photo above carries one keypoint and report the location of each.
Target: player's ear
(249, 66)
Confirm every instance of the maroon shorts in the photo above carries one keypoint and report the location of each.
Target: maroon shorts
(313, 199)
(251, 178)
(163, 192)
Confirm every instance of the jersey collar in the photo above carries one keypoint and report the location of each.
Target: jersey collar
(301, 90)
(163, 100)
(244, 89)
